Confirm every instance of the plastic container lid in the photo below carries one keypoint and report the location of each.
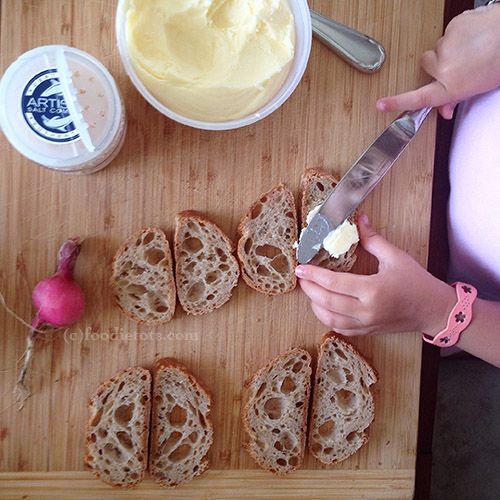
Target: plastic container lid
(61, 108)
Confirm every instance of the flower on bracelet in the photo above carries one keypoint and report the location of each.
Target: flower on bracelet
(445, 340)
(466, 289)
(460, 317)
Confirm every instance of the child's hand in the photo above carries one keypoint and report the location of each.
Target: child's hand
(401, 297)
(465, 62)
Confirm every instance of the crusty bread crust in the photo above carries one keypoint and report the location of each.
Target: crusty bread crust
(161, 276)
(373, 374)
(308, 197)
(217, 270)
(342, 404)
(169, 362)
(289, 458)
(315, 187)
(94, 429)
(193, 429)
(258, 230)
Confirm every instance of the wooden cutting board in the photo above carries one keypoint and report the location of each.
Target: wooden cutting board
(162, 169)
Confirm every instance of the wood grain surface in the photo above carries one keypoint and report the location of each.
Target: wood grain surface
(163, 168)
(219, 484)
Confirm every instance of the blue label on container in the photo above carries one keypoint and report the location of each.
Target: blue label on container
(44, 108)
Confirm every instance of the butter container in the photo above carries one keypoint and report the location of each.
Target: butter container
(200, 36)
(61, 108)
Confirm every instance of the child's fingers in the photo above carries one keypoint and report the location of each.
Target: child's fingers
(343, 283)
(384, 251)
(334, 302)
(338, 322)
(432, 94)
(429, 61)
(446, 111)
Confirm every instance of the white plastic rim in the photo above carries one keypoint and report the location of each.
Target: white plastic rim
(303, 38)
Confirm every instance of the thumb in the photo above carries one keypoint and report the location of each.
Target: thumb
(446, 111)
(373, 243)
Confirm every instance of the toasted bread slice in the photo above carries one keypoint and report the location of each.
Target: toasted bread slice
(206, 269)
(268, 232)
(143, 279)
(342, 407)
(118, 428)
(315, 188)
(181, 430)
(275, 416)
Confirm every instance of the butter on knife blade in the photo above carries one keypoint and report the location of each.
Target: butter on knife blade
(359, 181)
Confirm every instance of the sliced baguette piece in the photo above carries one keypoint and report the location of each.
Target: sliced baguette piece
(143, 279)
(206, 269)
(275, 416)
(315, 188)
(268, 232)
(117, 431)
(181, 430)
(342, 406)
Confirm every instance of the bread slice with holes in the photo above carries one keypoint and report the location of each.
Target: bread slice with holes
(268, 232)
(118, 428)
(315, 188)
(342, 407)
(275, 416)
(143, 278)
(181, 430)
(206, 269)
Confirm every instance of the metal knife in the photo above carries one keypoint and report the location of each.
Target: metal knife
(357, 49)
(359, 180)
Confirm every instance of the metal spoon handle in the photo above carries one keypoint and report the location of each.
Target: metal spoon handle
(357, 49)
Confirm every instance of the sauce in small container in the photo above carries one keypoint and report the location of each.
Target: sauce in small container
(61, 108)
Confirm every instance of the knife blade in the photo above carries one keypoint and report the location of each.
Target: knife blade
(359, 181)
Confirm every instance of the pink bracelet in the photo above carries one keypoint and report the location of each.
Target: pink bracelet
(460, 317)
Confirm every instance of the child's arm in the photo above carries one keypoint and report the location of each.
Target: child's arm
(465, 62)
(402, 296)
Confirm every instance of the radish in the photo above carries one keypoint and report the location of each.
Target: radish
(59, 302)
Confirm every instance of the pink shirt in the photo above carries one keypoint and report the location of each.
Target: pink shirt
(474, 204)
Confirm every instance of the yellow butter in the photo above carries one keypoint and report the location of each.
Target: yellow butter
(341, 239)
(312, 213)
(211, 60)
(338, 241)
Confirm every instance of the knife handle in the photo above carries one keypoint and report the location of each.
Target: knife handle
(357, 49)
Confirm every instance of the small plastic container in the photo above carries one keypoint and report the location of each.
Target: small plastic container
(303, 37)
(61, 108)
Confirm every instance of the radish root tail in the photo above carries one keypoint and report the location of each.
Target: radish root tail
(21, 389)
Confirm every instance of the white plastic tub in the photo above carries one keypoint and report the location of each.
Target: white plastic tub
(303, 36)
(61, 108)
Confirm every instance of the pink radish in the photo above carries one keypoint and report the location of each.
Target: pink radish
(59, 302)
